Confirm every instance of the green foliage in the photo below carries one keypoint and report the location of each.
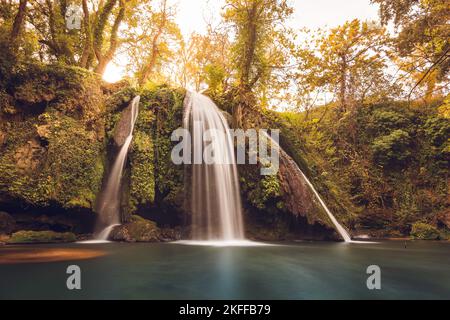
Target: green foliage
(385, 167)
(264, 191)
(392, 149)
(424, 231)
(54, 155)
(167, 107)
(41, 237)
(215, 77)
(74, 167)
(142, 181)
(384, 121)
(438, 131)
(261, 46)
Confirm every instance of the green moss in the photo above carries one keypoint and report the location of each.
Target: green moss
(120, 99)
(41, 237)
(54, 156)
(166, 105)
(142, 181)
(424, 231)
(137, 229)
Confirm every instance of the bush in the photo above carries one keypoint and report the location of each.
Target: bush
(424, 231)
(384, 121)
(392, 148)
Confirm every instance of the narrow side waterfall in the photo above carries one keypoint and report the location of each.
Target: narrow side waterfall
(340, 229)
(292, 164)
(109, 204)
(215, 197)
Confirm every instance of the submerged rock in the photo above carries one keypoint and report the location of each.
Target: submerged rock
(41, 237)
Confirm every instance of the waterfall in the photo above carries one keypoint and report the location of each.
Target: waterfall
(344, 234)
(215, 200)
(340, 229)
(109, 204)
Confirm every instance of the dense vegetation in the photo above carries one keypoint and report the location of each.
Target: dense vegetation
(364, 112)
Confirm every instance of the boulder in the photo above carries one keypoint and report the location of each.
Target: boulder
(139, 229)
(7, 223)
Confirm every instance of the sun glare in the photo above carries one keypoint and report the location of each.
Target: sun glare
(113, 73)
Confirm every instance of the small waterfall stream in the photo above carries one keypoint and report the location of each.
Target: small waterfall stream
(215, 197)
(292, 164)
(109, 204)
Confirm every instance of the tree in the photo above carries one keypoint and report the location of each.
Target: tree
(92, 47)
(261, 38)
(204, 60)
(348, 62)
(423, 38)
(153, 40)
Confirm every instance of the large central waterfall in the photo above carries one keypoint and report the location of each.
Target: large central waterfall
(215, 200)
(109, 204)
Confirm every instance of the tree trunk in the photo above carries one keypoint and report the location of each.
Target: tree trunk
(148, 68)
(88, 52)
(19, 21)
(105, 58)
(343, 86)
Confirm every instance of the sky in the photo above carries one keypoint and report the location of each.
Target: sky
(311, 14)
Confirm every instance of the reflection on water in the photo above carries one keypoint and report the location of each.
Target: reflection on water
(304, 270)
(15, 255)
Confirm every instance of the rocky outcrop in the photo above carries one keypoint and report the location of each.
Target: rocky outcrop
(29, 156)
(282, 206)
(123, 127)
(297, 196)
(54, 151)
(139, 229)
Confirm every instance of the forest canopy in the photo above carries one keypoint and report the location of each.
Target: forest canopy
(252, 48)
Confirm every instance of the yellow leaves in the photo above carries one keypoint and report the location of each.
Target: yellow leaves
(444, 109)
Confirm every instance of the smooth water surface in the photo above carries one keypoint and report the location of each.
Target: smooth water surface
(303, 270)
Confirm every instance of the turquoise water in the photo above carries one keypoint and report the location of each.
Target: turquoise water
(303, 270)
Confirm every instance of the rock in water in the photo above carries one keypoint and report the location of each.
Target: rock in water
(137, 229)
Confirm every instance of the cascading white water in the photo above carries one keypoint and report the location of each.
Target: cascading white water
(344, 234)
(109, 204)
(215, 197)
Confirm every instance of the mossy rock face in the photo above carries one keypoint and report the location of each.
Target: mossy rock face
(139, 229)
(424, 231)
(53, 147)
(155, 182)
(41, 237)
